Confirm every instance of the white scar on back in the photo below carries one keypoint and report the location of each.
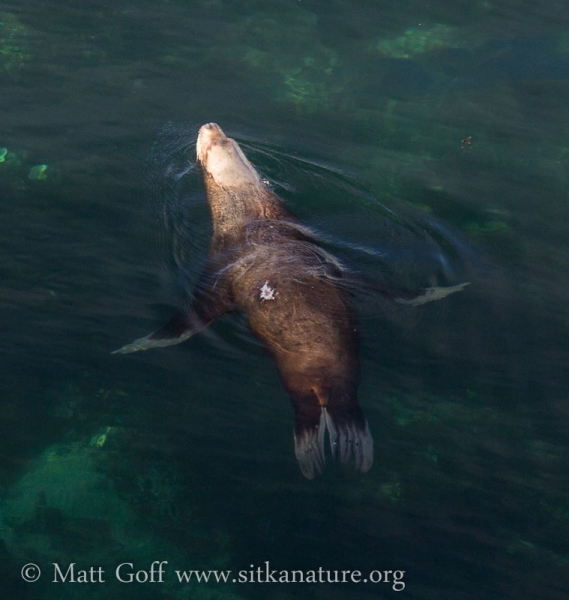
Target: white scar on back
(267, 292)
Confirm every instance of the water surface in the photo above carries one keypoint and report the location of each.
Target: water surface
(427, 144)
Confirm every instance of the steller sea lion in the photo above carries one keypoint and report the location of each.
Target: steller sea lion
(265, 263)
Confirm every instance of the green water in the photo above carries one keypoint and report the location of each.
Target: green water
(425, 141)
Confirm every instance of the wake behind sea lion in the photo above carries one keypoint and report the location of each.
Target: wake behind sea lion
(265, 263)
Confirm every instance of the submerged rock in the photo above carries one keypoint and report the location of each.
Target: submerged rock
(419, 40)
(38, 172)
(63, 502)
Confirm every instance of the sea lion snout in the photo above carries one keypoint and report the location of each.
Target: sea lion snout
(209, 133)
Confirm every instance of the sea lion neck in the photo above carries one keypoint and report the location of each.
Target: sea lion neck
(233, 208)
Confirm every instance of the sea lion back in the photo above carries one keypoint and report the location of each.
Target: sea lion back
(296, 303)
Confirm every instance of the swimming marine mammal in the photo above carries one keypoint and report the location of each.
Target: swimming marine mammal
(266, 264)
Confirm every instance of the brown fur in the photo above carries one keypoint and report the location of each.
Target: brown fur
(309, 326)
(264, 263)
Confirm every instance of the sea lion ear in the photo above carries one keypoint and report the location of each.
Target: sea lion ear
(178, 329)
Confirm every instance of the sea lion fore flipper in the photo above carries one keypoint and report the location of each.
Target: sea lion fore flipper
(422, 295)
(178, 329)
(210, 302)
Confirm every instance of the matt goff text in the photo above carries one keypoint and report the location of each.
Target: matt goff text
(127, 573)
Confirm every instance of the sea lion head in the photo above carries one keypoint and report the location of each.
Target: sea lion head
(222, 158)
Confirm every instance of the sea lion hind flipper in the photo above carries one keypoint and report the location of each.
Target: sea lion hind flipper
(349, 434)
(349, 437)
(309, 432)
(424, 295)
(178, 329)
